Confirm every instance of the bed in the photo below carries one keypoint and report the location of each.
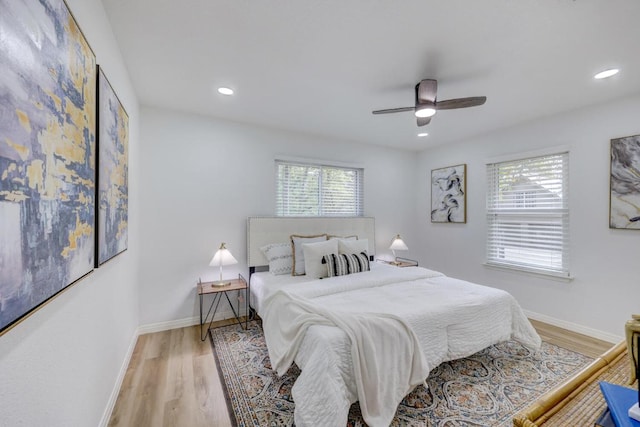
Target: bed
(371, 336)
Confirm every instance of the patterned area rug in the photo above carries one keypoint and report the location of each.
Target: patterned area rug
(483, 390)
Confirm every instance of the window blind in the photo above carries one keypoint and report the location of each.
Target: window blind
(528, 214)
(318, 190)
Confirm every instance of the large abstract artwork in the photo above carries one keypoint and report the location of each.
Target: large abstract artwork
(448, 194)
(113, 148)
(47, 155)
(625, 183)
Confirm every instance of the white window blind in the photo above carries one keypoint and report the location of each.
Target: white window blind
(318, 190)
(528, 214)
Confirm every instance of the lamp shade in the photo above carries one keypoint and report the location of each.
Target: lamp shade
(398, 245)
(222, 257)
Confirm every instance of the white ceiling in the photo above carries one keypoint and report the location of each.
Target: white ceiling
(322, 66)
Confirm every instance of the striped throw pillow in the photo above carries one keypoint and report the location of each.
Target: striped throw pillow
(341, 264)
(336, 265)
(357, 262)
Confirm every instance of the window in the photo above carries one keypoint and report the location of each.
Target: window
(318, 190)
(528, 214)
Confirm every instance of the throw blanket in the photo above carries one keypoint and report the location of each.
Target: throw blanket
(378, 341)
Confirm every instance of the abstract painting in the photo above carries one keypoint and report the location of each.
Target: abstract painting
(448, 194)
(113, 148)
(47, 155)
(624, 205)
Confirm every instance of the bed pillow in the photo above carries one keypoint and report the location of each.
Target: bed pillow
(298, 255)
(341, 264)
(353, 246)
(280, 257)
(331, 237)
(313, 253)
(357, 262)
(336, 265)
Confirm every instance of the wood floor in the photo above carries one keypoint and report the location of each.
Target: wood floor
(172, 378)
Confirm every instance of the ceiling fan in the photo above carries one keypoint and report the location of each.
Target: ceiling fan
(426, 104)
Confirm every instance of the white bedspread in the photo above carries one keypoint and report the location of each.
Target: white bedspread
(263, 284)
(326, 326)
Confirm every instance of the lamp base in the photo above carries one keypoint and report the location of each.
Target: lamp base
(220, 284)
(634, 412)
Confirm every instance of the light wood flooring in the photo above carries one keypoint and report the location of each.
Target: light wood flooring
(172, 378)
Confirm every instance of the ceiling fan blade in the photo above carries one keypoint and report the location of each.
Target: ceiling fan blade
(426, 91)
(450, 104)
(423, 121)
(394, 110)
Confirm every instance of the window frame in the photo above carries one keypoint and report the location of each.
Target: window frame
(523, 211)
(321, 166)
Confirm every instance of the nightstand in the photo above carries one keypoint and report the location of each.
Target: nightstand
(207, 288)
(400, 262)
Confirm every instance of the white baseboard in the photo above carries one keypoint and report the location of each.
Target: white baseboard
(182, 323)
(595, 333)
(106, 416)
(171, 324)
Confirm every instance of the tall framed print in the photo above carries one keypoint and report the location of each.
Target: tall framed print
(624, 200)
(47, 155)
(449, 194)
(113, 163)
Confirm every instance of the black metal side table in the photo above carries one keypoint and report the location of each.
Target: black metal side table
(206, 288)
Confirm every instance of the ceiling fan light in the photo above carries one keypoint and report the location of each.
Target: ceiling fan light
(426, 111)
(606, 73)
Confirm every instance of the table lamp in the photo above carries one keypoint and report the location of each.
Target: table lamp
(397, 245)
(222, 257)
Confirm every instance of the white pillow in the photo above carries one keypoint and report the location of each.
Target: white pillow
(298, 255)
(354, 237)
(353, 246)
(313, 253)
(280, 257)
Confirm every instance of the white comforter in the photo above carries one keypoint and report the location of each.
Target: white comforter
(343, 350)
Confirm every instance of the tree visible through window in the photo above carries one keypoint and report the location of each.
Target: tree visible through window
(528, 214)
(318, 190)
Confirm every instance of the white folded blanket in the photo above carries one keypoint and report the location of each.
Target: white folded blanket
(378, 341)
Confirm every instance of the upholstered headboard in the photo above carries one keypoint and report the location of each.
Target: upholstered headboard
(264, 230)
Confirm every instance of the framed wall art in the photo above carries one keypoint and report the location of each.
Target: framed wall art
(47, 155)
(449, 194)
(624, 201)
(113, 162)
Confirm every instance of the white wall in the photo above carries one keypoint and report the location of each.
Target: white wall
(605, 291)
(203, 177)
(60, 365)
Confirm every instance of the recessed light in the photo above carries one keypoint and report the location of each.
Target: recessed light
(225, 91)
(606, 73)
(423, 134)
